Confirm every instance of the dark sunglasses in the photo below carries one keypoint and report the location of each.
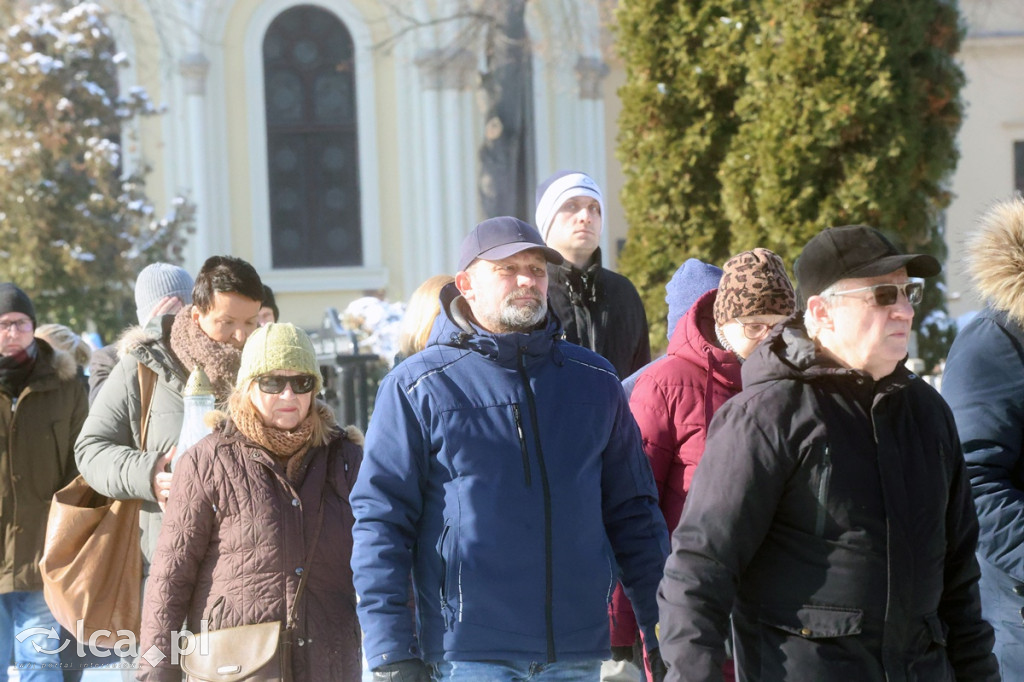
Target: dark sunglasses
(887, 294)
(271, 383)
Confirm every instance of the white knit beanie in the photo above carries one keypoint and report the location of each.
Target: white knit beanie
(558, 189)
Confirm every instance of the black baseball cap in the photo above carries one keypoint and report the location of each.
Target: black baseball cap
(853, 251)
(497, 238)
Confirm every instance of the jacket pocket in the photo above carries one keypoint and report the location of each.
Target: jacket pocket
(518, 417)
(927, 658)
(936, 628)
(814, 622)
(448, 566)
(824, 479)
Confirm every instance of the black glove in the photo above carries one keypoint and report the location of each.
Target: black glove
(411, 670)
(658, 667)
(622, 653)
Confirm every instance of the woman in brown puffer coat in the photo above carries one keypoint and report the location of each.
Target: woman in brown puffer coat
(242, 520)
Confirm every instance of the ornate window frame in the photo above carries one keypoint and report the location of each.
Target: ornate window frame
(371, 274)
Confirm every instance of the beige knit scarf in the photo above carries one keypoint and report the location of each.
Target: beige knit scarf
(289, 446)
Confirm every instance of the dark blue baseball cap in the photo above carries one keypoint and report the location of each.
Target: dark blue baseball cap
(497, 238)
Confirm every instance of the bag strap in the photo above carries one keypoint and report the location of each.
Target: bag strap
(147, 387)
(293, 611)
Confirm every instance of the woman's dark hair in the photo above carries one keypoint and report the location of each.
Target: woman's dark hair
(226, 275)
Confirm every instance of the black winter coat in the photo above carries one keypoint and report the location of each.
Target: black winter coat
(835, 513)
(601, 310)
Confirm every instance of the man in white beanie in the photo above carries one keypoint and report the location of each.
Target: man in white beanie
(599, 309)
(160, 289)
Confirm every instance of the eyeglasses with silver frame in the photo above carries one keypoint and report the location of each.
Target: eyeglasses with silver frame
(883, 295)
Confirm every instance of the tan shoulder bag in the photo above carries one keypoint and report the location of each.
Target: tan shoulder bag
(92, 559)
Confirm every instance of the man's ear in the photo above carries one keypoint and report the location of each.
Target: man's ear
(818, 310)
(464, 283)
(195, 314)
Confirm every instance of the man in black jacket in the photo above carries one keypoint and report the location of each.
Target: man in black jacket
(831, 513)
(599, 309)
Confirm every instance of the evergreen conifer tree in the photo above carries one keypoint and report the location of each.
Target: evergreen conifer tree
(683, 77)
(846, 112)
(74, 230)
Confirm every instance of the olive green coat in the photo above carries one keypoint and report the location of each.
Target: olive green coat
(37, 437)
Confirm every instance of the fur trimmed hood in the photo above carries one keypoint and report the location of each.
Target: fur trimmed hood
(995, 257)
(133, 337)
(64, 366)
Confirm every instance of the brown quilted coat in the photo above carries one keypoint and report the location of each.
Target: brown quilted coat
(234, 537)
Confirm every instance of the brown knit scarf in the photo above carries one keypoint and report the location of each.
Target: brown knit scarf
(289, 446)
(193, 347)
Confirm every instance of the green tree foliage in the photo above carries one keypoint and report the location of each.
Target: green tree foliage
(74, 231)
(677, 120)
(841, 111)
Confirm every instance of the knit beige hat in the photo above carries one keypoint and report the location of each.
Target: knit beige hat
(278, 346)
(754, 283)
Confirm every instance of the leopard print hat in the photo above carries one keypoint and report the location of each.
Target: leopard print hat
(754, 283)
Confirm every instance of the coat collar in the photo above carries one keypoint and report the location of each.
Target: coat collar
(454, 328)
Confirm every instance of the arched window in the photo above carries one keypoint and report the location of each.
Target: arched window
(312, 143)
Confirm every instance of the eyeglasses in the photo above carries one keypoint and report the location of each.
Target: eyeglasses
(755, 330)
(272, 383)
(24, 325)
(887, 294)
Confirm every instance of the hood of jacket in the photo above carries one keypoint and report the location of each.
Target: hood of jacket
(691, 340)
(53, 362)
(454, 328)
(995, 254)
(152, 346)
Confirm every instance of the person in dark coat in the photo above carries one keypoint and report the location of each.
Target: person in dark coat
(505, 479)
(241, 527)
(599, 309)
(831, 513)
(42, 408)
(983, 382)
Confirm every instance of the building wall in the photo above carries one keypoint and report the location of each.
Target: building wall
(993, 62)
(419, 129)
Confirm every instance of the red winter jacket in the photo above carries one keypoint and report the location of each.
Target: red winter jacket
(673, 402)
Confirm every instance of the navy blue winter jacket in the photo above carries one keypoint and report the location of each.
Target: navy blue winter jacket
(983, 384)
(506, 473)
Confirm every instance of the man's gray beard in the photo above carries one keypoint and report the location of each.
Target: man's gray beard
(522, 318)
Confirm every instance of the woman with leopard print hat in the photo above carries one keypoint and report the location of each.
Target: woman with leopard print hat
(674, 400)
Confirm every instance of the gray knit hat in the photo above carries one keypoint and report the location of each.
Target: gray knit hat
(159, 280)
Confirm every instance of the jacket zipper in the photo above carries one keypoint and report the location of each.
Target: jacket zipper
(546, 489)
(447, 610)
(826, 474)
(522, 444)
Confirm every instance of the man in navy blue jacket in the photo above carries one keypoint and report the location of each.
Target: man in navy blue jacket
(504, 472)
(984, 385)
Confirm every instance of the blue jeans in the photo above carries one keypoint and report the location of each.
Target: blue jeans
(517, 671)
(19, 613)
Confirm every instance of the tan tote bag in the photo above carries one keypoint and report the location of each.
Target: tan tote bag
(92, 559)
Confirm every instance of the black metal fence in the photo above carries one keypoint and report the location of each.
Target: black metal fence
(350, 377)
